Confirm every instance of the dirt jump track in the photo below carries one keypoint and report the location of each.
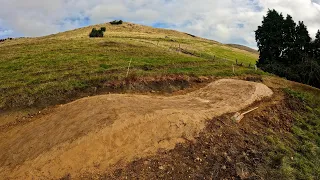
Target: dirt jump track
(93, 134)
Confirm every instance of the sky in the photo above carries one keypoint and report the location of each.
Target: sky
(227, 21)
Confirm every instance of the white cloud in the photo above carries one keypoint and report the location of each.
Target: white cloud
(4, 33)
(100, 12)
(228, 21)
(301, 10)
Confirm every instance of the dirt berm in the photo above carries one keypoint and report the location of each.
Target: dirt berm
(93, 134)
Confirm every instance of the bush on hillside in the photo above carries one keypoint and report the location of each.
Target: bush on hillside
(115, 22)
(103, 29)
(97, 33)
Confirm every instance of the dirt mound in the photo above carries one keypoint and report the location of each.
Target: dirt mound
(92, 134)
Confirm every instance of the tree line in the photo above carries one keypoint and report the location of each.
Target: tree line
(287, 50)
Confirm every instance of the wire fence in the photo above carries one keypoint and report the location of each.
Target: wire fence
(178, 47)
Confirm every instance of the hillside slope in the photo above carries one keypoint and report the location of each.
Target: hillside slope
(61, 66)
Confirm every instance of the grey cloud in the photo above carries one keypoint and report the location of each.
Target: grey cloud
(213, 19)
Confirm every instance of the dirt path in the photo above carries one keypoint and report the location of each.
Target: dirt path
(92, 134)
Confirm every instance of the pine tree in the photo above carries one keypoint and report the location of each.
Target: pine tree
(270, 38)
(286, 49)
(303, 38)
(317, 40)
(289, 40)
(316, 47)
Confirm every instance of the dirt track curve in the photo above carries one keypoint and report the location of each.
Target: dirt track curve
(94, 133)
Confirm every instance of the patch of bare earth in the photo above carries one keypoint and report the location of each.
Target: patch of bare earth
(91, 135)
(223, 150)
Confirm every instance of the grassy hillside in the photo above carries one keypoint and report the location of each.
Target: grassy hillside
(44, 69)
(244, 48)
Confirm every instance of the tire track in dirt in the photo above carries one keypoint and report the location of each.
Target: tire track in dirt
(92, 134)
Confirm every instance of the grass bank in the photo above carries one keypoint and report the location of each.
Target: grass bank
(36, 71)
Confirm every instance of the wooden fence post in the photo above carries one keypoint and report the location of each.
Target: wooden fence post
(129, 68)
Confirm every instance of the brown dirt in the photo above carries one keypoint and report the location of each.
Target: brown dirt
(92, 134)
(158, 85)
(223, 150)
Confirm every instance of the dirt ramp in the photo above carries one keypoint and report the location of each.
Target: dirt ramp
(92, 134)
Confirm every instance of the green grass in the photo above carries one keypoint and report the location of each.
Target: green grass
(231, 54)
(38, 68)
(297, 155)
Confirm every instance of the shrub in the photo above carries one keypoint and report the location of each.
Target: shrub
(115, 22)
(97, 33)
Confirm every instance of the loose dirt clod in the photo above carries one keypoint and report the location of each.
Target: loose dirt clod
(114, 128)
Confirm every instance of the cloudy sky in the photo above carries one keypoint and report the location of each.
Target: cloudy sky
(227, 21)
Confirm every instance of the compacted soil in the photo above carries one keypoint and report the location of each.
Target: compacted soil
(93, 134)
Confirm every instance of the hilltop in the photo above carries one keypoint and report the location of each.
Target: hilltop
(70, 109)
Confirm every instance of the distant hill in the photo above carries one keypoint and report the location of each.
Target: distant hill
(243, 48)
